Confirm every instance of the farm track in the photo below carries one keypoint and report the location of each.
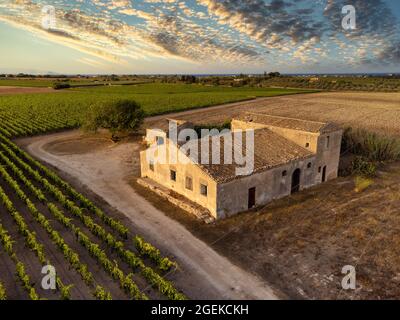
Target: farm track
(9, 90)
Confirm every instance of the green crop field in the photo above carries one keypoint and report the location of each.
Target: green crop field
(28, 114)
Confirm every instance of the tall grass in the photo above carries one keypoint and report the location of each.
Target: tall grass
(370, 145)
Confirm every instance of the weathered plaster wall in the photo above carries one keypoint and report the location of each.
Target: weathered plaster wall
(232, 197)
(329, 155)
(161, 175)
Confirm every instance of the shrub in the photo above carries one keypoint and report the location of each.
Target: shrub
(371, 145)
(61, 85)
(363, 166)
(117, 116)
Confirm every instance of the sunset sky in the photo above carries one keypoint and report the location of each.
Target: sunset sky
(199, 36)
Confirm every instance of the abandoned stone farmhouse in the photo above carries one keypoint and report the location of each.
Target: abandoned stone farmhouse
(289, 155)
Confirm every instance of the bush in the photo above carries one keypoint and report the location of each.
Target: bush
(118, 116)
(363, 166)
(370, 145)
(61, 85)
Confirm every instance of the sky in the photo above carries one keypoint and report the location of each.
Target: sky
(198, 36)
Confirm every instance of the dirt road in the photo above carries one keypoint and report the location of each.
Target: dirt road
(23, 90)
(107, 171)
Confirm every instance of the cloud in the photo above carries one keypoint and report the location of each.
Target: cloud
(222, 31)
(272, 24)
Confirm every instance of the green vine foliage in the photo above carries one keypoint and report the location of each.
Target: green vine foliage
(41, 182)
(3, 294)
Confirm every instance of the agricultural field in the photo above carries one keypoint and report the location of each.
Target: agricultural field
(45, 221)
(297, 244)
(35, 83)
(375, 112)
(39, 113)
(6, 90)
(320, 82)
(342, 83)
(73, 82)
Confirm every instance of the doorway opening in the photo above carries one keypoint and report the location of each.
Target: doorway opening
(252, 198)
(324, 174)
(296, 181)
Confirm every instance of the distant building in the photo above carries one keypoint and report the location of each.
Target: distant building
(289, 155)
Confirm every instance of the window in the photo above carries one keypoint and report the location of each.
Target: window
(284, 173)
(189, 183)
(160, 141)
(319, 169)
(173, 175)
(151, 165)
(203, 190)
(328, 141)
(309, 165)
(307, 145)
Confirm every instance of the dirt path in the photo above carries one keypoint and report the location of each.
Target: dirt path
(107, 171)
(23, 90)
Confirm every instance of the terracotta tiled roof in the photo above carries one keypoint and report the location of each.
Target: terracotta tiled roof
(289, 123)
(270, 150)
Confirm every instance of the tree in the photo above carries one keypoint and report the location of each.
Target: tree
(117, 117)
(274, 74)
(61, 85)
(188, 79)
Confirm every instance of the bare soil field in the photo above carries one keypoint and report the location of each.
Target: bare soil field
(23, 90)
(379, 112)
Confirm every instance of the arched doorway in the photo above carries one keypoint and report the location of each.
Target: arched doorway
(296, 181)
